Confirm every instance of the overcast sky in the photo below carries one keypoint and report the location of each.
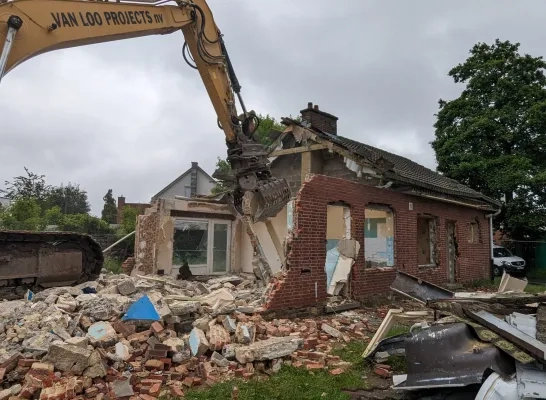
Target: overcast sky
(132, 116)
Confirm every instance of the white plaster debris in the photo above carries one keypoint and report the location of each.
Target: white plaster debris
(206, 330)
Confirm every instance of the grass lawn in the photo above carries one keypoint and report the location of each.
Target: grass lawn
(487, 284)
(292, 383)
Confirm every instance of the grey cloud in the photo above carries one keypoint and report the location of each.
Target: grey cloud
(131, 115)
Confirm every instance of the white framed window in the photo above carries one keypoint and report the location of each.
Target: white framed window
(204, 244)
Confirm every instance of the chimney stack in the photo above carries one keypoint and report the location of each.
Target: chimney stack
(319, 120)
(193, 179)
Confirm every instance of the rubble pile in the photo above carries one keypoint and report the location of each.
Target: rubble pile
(485, 339)
(123, 337)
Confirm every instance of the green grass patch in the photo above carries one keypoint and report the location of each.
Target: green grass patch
(112, 265)
(398, 364)
(397, 330)
(292, 383)
(483, 284)
(537, 273)
(535, 288)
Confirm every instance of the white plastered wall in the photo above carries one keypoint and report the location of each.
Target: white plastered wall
(274, 259)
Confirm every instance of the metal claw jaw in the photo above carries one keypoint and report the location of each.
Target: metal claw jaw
(265, 201)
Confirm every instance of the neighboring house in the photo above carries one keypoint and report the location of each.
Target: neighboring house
(194, 182)
(4, 202)
(383, 211)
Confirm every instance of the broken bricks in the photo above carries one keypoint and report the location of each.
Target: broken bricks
(113, 347)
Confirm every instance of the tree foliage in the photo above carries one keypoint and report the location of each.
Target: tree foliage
(261, 135)
(22, 214)
(493, 136)
(224, 167)
(110, 209)
(70, 199)
(35, 205)
(128, 219)
(26, 187)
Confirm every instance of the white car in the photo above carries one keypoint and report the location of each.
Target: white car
(503, 259)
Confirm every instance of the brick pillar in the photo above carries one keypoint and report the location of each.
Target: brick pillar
(121, 204)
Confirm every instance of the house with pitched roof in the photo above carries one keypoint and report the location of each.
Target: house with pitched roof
(358, 214)
(396, 213)
(193, 182)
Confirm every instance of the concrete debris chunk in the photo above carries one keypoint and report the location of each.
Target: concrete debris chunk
(229, 350)
(97, 367)
(181, 356)
(176, 344)
(244, 333)
(202, 288)
(219, 359)
(218, 337)
(101, 309)
(331, 331)
(102, 333)
(122, 388)
(202, 323)
(68, 358)
(268, 349)
(78, 341)
(126, 287)
(67, 303)
(184, 307)
(5, 394)
(122, 351)
(229, 323)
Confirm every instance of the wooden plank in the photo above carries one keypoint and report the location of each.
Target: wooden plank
(510, 333)
(300, 149)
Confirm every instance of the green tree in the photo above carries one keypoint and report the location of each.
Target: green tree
(128, 219)
(266, 125)
(53, 216)
(493, 136)
(110, 209)
(70, 199)
(84, 223)
(25, 187)
(22, 214)
(223, 167)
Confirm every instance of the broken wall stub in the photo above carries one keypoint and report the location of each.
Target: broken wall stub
(155, 232)
(303, 281)
(145, 243)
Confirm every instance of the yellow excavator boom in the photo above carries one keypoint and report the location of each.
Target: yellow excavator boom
(33, 27)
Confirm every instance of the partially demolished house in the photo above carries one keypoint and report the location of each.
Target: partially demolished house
(358, 214)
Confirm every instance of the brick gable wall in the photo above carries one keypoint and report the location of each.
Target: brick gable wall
(307, 246)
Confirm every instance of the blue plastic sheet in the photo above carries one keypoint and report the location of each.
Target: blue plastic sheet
(142, 309)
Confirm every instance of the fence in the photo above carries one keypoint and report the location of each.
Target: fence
(533, 252)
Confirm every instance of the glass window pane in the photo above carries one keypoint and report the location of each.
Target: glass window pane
(220, 243)
(190, 242)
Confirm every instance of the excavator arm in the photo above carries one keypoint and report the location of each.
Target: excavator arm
(33, 27)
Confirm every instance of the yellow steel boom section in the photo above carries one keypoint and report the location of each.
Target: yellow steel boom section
(33, 27)
(56, 24)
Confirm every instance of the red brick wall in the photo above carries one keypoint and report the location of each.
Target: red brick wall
(307, 246)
